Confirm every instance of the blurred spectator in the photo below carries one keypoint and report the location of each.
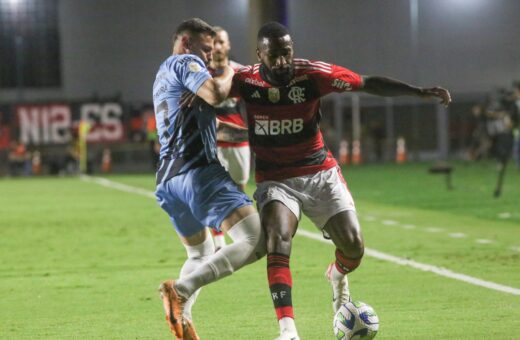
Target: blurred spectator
(515, 117)
(72, 154)
(136, 127)
(479, 143)
(151, 136)
(499, 128)
(19, 159)
(4, 133)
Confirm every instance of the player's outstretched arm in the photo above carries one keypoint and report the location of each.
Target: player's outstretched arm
(216, 89)
(388, 87)
(230, 125)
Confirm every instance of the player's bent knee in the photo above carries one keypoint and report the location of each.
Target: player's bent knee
(355, 247)
(249, 232)
(350, 243)
(247, 229)
(206, 248)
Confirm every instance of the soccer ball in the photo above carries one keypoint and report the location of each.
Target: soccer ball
(355, 320)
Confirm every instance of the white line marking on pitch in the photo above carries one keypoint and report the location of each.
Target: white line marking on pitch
(422, 266)
(369, 218)
(504, 215)
(408, 226)
(433, 230)
(483, 241)
(457, 235)
(389, 222)
(119, 186)
(318, 237)
(515, 248)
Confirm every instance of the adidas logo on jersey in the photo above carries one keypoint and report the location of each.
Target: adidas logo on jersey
(278, 127)
(256, 95)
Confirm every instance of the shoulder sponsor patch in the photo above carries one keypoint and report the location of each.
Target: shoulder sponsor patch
(273, 94)
(341, 84)
(194, 66)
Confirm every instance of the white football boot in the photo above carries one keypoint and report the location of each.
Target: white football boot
(340, 291)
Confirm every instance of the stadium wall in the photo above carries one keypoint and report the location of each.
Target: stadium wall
(114, 47)
(466, 46)
(111, 48)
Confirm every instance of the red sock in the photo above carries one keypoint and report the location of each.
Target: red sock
(280, 284)
(344, 264)
(216, 233)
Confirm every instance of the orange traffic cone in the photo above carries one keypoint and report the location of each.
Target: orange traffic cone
(106, 161)
(356, 152)
(400, 156)
(344, 157)
(36, 163)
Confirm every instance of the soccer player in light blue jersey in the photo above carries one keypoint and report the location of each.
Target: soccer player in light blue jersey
(192, 186)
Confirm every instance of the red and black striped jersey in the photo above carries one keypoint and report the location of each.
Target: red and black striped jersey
(230, 111)
(283, 122)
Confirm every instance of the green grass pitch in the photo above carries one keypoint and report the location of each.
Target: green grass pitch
(83, 261)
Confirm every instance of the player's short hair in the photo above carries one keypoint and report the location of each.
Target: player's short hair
(272, 30)
(194, 26)
(218, 29)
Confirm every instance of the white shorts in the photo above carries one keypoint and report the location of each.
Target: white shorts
(319, 196)
(236, 160)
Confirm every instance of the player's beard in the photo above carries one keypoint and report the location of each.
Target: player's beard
(219, 57)
(282, 75)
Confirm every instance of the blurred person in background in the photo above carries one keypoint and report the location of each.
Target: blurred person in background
(232, 144)
(295, 171)
(479, 142)
(19, 159)
(499, 127)
(151, 136)
(72, 153)
(5, 134)
(515, 115)
(192, 186)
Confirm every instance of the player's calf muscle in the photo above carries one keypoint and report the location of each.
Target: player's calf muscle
(278, 241)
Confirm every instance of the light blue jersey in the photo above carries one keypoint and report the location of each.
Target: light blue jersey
(186, 133)
(192, 186)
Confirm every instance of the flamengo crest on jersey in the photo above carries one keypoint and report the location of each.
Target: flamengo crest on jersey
(186, 131)
(283, 122)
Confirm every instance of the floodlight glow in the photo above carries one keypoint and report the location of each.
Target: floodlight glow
(15, 3)
(465, 3)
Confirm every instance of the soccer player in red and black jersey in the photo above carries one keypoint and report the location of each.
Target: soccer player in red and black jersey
(233, 146)
(232, 143)
(295, 172)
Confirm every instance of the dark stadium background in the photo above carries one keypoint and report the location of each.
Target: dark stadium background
(96, 52)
